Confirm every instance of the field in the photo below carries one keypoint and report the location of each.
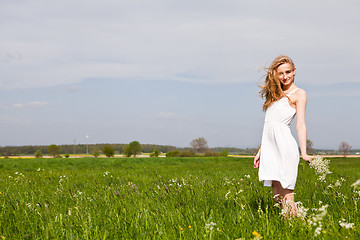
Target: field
(170, 198)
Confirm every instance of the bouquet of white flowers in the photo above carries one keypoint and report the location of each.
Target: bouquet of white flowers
(321, 167)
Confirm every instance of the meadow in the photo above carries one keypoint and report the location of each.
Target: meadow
(170, 198)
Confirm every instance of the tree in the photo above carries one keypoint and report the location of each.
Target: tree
(96, 152)
(38, 154)
(127, 151)
(224, 153)
(54, 150)
(108, 151)
(345, 148)
(309, 147)
(133, 148)
(155, 153)
(199, 145)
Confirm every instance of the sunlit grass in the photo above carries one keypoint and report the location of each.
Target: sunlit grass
(176, 198)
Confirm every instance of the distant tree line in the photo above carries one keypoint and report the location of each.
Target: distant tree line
(197, 146)
(77, 149)
(118, 149)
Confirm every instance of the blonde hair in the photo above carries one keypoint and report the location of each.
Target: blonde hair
(272, 91)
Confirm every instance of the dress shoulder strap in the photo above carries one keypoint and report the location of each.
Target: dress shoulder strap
(292, 91)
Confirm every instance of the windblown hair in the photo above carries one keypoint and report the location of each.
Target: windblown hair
(272, 91)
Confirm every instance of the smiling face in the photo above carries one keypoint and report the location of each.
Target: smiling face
(285, 73)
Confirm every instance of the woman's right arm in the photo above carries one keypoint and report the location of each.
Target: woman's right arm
(257, 159)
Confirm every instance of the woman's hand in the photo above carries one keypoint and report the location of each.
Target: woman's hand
(257, 160)
(307, 157)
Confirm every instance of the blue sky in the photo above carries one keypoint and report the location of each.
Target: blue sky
(166, 72)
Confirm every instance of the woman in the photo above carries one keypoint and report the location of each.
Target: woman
(278, 157)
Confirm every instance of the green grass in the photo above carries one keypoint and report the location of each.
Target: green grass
(162, 198)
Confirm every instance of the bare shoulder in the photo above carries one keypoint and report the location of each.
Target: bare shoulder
(300, 93)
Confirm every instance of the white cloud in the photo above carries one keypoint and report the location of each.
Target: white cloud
(166, 114)
(47, 44)
(33, 104)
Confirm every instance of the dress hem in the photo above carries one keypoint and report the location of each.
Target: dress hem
(268, 183)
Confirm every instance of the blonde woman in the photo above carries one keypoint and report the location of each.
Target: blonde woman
(278, 157)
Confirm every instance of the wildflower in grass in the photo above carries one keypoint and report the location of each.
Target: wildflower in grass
(240, 191)
(210, 226)
(227, 194)
(346, 225)
(181, 229)
(257, 235)
(133, 186)
(356, 184)
(247, 176)
(77, 194)
(301, 210)
(321, 167)
(317, 217)
(189, 227)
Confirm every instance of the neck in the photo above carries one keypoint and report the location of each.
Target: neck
(289, 88)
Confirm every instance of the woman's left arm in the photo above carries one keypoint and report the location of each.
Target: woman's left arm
(300, 123)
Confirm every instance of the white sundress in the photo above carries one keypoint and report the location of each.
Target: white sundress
(279, 158)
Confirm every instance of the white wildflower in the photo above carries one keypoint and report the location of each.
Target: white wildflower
(321, 167)
(240, 191)
(248, 176)
(356, 184)
(338, 183)
(226, 195)
(346, 225)
(316, 219)
(210, 226)
(301, 210)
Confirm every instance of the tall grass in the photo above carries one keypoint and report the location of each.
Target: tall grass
(169, 198)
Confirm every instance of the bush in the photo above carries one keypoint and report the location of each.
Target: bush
(133, 148)
(38, 154)
(108, 151)
(211, 154)
(187, 154)
(96, 152)
(67, 155)
(225, 153)
(54, 150)
(155, 153)
(175, 153)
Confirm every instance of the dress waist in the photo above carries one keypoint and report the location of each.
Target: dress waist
(274, 122)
